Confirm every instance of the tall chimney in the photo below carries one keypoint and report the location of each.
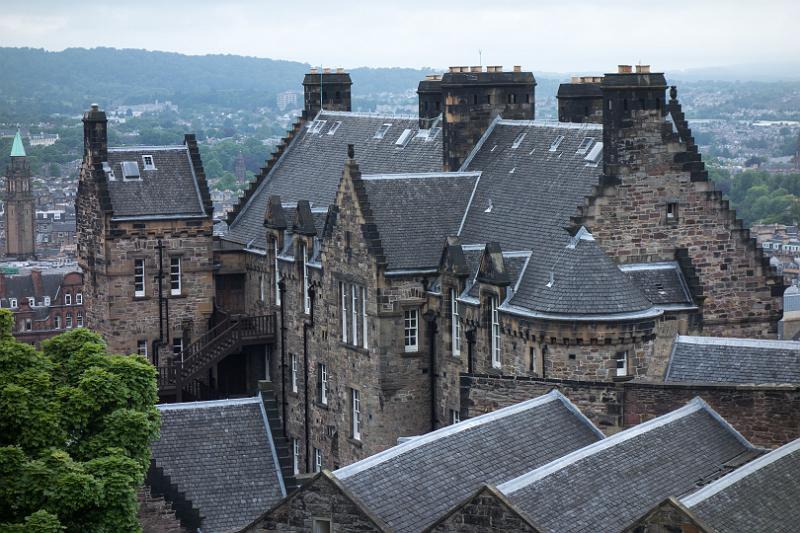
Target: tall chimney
(326, 90)
(95, 135)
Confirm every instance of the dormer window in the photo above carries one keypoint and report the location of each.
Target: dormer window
(149, 164)
(404, 138)
(556, 142)
(12, 302)
(318, 125)
(585, 145)
(31, 301)
(381, 133)
(334, 127)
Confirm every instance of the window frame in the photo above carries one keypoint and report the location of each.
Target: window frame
(364, 334)
(494, 332)
(57, 322)
(355, 414)
(317, 460)
(306, 282)
(79, 298)
(455, 324)
(317, 525)
(322, 383)
(621, 371)
(175, 275)
(355, 311)
(455, 416)
(177, 342)
(343, 308)
(31, 301)
(67, 299)
(47, 301)
(12, 303)
(78, 319)
(276, 273)
(411, 329)
(139, 344)
(139, 278)
(68, 321)
(295, 456)
(148, 166)
(294, 372)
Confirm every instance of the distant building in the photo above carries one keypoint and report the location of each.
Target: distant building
(287, 100)
(43, 139)
(20, 231)
(44, 303)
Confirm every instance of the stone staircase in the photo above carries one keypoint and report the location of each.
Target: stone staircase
(283, 444)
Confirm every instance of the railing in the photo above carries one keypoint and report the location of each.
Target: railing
(210, 348)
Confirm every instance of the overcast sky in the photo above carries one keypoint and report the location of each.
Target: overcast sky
(551, 35)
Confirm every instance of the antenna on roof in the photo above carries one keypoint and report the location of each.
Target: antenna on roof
(480, 57)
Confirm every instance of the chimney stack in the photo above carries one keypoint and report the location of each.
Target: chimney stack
(95, 135)
(326, 90)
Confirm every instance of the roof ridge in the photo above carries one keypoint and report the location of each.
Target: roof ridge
(207, 404)
(421, 175)
(543, 471)
(136, 148)
(446, 431)
(551, 123)
(738, 341)
(367, 114)
(740, 473)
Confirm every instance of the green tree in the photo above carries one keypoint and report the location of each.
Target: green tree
(75, 428)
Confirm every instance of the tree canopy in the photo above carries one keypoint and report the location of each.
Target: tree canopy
(75, 428)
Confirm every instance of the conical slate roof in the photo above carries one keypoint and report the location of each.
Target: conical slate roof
(17, 149)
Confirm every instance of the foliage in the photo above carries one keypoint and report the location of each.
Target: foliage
(75, 428)
(760, 197)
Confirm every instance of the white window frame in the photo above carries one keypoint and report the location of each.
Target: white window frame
(68, 321)
(621, 371)
(306, 292)
(343, 308)
(57, 322)
(495, 332)
(148, 166)
(355, 412)
(141, 343)
(175, 275)
(177, 347)
(12, 302)
(78, 319)
(295, 456)
(321, 525)
(46, 300)
(67, 299)
(455, 416)
(31, 301)
(455, 326)
(317, 460)
(261, 288)
(364, 337)
(294, 372)
(277, 274)
(78, 298)
(139, 287)
(354, 309)
(322, 368)
(411, 330)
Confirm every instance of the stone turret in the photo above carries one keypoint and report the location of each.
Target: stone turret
(20, 204)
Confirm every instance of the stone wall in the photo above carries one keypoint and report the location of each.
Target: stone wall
(486, 512)
(156, 515)
(668, 517)
(628, 216)
(767, 415)
(320, 499)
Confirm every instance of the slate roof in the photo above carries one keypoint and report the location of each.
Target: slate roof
(731, 360)
(311, 166)
(534, 176)
(21, 287)
(662, 283)
(609, 484)
(413, 484)
(221, 455)
(415, 213)
(171, 190)
(761, 496)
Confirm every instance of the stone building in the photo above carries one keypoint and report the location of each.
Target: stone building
(44, 303)
(544, 255)
(144, 243)
(19, 205)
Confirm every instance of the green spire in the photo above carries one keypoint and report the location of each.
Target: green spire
(17, 150)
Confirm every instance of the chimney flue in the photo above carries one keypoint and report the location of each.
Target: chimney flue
(643, 69)
(624, 69)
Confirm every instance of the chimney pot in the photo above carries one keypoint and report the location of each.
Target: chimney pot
(624, 69)
(95, 107)
(643, 69)
(576, 79)
(339, 70)
(476, 69)
(326, 70)
(313, 70)
(517, 68)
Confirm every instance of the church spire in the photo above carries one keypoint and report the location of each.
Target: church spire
(17, 149)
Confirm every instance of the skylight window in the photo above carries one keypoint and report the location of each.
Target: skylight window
(149, 164)
(109, 171)
(130, 170)
(404, 138)
(318, 125)
(585, 145)
(594, 155)
(381, 133)
(554, 146)
(518, 140)
(334, 127)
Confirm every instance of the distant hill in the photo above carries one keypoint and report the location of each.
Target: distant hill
(36, 82)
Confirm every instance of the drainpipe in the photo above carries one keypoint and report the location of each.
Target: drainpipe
(282, 291)
(430, 318)
(307, 325)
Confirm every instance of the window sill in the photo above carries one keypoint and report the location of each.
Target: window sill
(620, 379)
(321, 405)
(353, 348)
(358, 443)
(413, 355)
(178, 296)
(135, 299)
